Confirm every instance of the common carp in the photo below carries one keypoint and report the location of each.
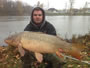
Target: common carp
(42, 43)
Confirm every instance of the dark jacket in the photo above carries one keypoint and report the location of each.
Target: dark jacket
(46, 28)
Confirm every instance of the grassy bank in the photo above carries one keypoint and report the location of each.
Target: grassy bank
(10, 58)
(68, 14)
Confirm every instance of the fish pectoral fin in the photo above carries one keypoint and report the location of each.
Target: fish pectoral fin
(21, 50)
(39, 57)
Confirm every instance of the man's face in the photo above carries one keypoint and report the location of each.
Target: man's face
(37, 16)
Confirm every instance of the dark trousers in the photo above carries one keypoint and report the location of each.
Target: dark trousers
(49, 61)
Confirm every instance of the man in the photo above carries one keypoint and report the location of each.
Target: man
(39, 24)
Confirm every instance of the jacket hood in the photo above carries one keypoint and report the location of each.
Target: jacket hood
(43, 21)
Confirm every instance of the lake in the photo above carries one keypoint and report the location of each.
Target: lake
(66, 26)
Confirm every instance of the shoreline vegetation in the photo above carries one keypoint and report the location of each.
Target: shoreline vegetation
(67, 14)
(50, 14)
(18, 8)
(10, 58)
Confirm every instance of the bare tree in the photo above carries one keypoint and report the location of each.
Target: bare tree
(39, 4)
(20, 7)
(71, 6)
(9, 7)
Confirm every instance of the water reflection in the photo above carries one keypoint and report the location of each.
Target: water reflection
(67, 26)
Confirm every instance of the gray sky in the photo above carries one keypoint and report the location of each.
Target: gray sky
(58, 4)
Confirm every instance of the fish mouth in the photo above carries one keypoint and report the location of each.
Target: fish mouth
(6, 41)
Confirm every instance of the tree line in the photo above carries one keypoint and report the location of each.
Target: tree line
(14, 8)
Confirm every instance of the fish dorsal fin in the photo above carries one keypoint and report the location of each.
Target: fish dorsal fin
(60, 38)
(39, 57)
(21, 50)
(76, 50)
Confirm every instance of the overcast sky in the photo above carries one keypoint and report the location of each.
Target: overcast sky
(58, 4)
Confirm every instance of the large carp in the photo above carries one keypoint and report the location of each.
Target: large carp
(42, 43)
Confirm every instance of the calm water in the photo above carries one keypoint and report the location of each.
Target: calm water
(66, 26)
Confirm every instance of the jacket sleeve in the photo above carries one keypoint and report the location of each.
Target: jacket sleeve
(27, 28)
(51, 30)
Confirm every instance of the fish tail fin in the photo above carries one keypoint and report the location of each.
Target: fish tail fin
(76, 50)
(75, 53)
